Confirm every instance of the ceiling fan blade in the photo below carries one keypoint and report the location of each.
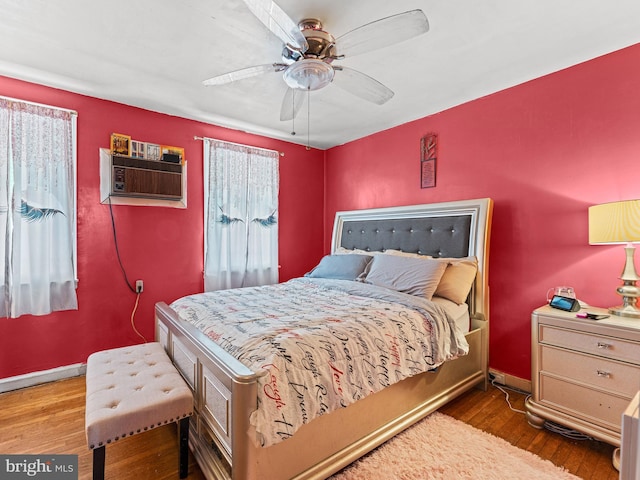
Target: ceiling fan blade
(244, 73)
(361, 85)
(292, 103)
(382, 33)
(279, 23)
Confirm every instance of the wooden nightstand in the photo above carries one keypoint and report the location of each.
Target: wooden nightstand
(584, 372)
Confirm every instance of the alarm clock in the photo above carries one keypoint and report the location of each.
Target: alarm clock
(565, 303)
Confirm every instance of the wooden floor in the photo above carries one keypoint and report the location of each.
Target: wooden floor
(488, 411)
(50, 419)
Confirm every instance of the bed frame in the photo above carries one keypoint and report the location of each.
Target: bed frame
(225, 390)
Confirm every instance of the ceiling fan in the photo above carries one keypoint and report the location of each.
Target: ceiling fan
(309, 53)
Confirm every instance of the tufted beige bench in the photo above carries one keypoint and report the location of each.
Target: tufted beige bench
(131, 390)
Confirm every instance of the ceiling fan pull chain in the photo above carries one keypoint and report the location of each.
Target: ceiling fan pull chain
(293, 112)
(308, 117)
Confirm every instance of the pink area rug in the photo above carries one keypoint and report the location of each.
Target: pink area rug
(443, 448)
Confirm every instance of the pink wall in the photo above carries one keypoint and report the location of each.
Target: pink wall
(544, 151)
(161, 246)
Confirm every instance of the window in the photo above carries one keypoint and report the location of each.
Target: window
(241, 215)
(37, 208)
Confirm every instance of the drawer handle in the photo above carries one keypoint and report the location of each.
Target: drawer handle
(602, 373)
(604, 345)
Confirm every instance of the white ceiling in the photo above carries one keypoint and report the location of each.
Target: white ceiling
(154, 54)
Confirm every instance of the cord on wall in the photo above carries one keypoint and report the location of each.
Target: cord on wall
(133, 325)
(139, 284)
(115, 241)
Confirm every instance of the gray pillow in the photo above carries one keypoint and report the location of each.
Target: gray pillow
(340, 267)
(414, 276)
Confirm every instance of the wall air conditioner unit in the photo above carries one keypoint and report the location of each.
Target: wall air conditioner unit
(136, 181)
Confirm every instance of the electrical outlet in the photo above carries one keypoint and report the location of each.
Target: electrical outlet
(139, 286)
(498, 377)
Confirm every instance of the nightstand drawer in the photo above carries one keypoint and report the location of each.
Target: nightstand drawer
(609, 375)
(582, 402)
(588, 343)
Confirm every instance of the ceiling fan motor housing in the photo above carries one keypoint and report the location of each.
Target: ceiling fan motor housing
(322, 45)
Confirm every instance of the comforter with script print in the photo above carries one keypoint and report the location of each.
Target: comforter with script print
(323, 343)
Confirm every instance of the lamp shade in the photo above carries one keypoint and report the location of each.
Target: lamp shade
(615, 222)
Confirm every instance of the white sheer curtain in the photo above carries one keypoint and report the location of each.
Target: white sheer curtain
(241, 215)
(37, 209)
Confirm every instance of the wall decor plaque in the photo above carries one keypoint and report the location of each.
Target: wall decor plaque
(428, 158)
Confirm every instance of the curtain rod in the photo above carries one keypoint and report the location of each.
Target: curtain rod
(195, 137)
(18, 100)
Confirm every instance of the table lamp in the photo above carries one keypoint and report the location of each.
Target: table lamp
(619, 223)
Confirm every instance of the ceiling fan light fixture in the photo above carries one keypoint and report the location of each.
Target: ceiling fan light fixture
(309, 74)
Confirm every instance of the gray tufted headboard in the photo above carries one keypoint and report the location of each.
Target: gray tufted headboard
(434, 236)
(450, 229)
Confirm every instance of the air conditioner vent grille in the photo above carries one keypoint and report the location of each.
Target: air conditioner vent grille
(136, 177)
(132, 162)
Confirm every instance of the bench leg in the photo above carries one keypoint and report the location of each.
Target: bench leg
(98, 462)
(183, 435)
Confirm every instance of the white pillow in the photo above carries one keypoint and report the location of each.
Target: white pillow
(347, 251)
(400, 253)
(414, 276)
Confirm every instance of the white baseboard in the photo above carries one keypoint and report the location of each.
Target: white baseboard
(511, 381)
(45, 376)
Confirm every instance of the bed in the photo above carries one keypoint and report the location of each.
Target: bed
(223, 437)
